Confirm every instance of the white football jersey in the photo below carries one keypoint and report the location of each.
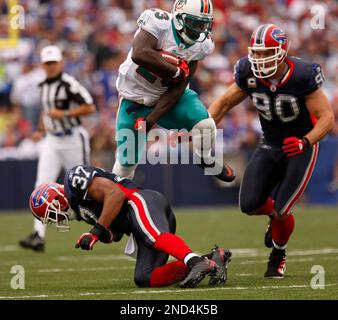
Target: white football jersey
(139, 85)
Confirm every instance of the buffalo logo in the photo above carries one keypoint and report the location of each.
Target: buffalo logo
(279, 35)
(180, 4)
(40, 194)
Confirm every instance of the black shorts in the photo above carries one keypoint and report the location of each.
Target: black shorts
(271, 173)
(149, 215)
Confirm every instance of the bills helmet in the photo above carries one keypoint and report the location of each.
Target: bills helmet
(270, 40)
(193, 19)
(49, 205)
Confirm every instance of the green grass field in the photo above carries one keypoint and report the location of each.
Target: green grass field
(63, 272)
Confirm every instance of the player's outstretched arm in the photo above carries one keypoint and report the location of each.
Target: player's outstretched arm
(145, 55)
(319, 106)
(109, 194)
(169, 99)
(232, 97)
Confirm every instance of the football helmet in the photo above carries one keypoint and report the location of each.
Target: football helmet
(49, 205)
(267, 38)
(193, 19)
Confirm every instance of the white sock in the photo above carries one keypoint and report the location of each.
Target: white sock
(124, 172)
(189, 256)
(40, 228)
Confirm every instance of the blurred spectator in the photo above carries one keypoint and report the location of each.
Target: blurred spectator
(25, 94)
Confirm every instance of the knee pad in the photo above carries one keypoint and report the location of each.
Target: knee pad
(124, 172)
(203, 137)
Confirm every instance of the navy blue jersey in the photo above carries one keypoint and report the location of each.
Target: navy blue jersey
(282, 109)
(77, 182)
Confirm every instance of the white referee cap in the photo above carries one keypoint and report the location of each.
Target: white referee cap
(50, 53)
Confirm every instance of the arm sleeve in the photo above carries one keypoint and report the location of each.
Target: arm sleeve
(237, 74)
(316, 79)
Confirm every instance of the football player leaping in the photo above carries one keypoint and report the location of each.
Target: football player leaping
(155, 91)
(295, 115)
(116, 206)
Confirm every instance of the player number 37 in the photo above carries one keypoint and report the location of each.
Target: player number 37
(80, 178)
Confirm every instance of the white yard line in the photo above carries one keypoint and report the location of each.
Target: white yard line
(151, 291)
(55, 270)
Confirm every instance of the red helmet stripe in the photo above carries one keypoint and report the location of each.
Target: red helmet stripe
(205, 6)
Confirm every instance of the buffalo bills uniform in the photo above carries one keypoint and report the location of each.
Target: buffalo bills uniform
(145, 215)
(283, 113)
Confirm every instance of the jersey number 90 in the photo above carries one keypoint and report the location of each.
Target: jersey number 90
(263, 104)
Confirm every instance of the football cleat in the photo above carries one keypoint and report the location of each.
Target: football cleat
(198, 273)
(276, 267)
(268, 236)
(227, 174)
(33, 241)
(222, 258)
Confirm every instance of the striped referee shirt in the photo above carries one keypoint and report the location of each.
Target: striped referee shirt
(62, 92)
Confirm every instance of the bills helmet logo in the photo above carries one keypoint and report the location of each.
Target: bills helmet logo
(47, 197)
(39, 194)
(279, 36)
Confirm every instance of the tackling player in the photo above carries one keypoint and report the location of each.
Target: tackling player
(116, 206)
(155, 91)
(295, 115)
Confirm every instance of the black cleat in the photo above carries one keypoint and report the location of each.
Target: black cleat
(33, 241)
(198, 273)
(222, 258)
(227, 174)
(276, 267)
(268, 236)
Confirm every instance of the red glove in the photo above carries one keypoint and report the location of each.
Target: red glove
(98, 232)
(87, 241)
(141, 124)
(183, 71)
(293, 146)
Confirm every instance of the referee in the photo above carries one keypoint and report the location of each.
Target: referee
(66, 144)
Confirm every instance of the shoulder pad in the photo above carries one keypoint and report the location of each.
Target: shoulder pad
(310, 76)
(242, 71)
(208, 46)
(154, 21)
(79, 179)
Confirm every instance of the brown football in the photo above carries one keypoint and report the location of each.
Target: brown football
(170, 57)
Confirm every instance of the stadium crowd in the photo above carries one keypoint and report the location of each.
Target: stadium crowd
(95, 36)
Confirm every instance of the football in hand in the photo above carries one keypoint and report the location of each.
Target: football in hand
(170, 57)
